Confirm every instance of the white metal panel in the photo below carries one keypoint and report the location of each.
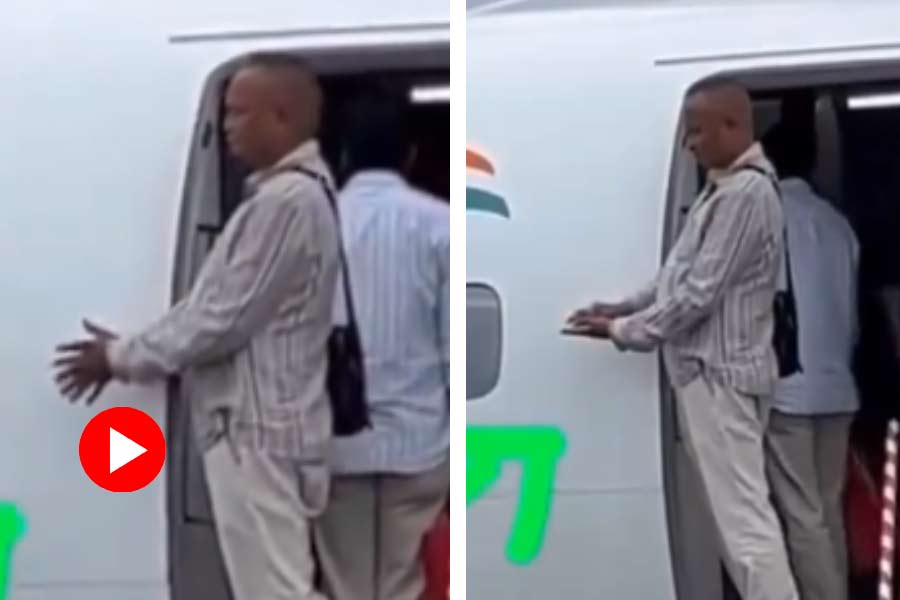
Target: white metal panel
(92, 592)
(584, 179)
(576, 176)
(599, 546)
(90, 165)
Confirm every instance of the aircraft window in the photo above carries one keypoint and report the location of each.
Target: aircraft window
(483, 340)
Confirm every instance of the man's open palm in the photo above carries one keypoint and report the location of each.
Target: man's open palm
(83, 364)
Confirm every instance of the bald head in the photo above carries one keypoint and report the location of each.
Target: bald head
(719, 116)
(273, 104)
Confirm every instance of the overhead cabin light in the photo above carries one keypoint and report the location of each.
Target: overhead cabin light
(430, 94)
(868, 101)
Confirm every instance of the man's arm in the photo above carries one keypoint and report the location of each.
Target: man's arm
(623, 308)
(638, 301)
(267, 251)
(733, 237)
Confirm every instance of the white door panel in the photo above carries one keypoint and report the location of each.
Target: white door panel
(91, 168)
(88, 216)
(585, 192)
(93, 592)
(597, 546)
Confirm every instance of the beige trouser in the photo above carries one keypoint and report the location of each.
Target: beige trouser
(369, 541)
(724, 434)
(262, 506)
(806, 462)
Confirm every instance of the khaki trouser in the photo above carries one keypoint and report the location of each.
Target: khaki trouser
(262, 506)
(369, 541)
(806, 463)
(724, 434)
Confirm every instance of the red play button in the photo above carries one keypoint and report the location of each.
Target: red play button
(122, 449)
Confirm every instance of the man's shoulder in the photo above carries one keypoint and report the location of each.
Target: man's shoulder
(419, 205)
(437, 213)
(808, 205)
(426, 214)
(750, 184)
(292, 189)
(428, 205)
(750, 179)
(821, 208)
(836, 221)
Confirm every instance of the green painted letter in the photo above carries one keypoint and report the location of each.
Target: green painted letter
(12, 526)
(539, 450)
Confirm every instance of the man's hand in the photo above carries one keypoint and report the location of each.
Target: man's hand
(597, 309)
(588, 326)
(84, 364)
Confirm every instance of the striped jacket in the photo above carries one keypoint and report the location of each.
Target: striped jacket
(250, 338)
(711, 306)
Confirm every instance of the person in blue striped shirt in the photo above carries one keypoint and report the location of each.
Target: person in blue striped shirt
(809, 428)
(390, 482)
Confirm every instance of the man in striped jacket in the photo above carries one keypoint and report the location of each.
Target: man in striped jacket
(250, 339)
(711, 310)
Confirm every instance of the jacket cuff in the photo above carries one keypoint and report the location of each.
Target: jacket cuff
(617, 335)
(629, 333)
(117, 357)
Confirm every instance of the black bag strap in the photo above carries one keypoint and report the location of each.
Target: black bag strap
(345, 267)
(787, 252)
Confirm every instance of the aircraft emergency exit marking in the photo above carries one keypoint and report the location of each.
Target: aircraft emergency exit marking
(479, 199)
(12, 527)
(539, 449)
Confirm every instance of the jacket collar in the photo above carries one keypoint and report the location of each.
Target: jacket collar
(305, 155)
(752, 157)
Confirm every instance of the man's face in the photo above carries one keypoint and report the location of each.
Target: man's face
(252, 119)
(705, 133)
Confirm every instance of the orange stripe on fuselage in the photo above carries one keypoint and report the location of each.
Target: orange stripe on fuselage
(478, 162)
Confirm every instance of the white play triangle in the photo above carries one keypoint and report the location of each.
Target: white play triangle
(122, 450)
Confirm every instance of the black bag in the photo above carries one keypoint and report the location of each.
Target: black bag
(346, 375)
(787, 329)
(786, 337)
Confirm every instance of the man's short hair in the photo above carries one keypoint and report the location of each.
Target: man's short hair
(279, 60)
(299, 78)
(376, 132)
(715, 83)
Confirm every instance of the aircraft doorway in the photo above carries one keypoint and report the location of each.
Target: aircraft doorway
(858, 172)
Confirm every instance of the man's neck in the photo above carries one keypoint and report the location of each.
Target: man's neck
(738, 155)
(281, 154)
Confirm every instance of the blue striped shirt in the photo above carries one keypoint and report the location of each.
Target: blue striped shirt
(825, 258)
(397, 241)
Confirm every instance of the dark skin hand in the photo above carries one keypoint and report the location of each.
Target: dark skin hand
(588, 325)
(83, 365)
